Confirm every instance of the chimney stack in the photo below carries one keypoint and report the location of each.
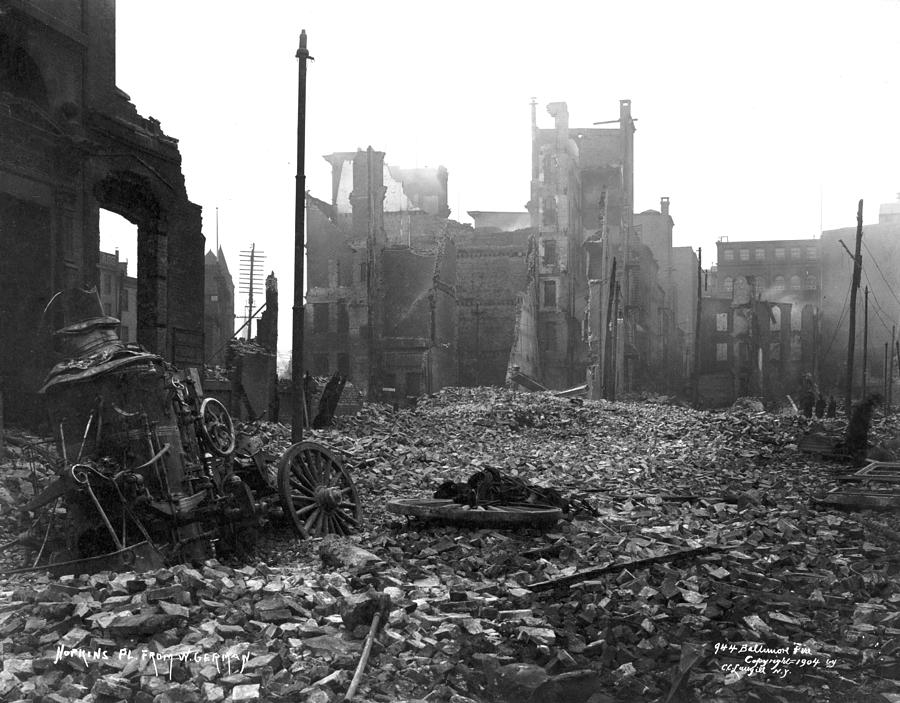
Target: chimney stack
(367, 198)
(664, 205)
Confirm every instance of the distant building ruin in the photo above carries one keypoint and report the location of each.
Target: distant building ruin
(381, 299)
(402, 297)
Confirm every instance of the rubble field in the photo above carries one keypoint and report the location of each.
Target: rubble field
(711, 573)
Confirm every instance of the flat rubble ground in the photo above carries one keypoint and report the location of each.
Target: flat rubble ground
(777, 597)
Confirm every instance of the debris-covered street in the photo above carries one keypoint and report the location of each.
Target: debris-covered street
(350, 352)
(700, 567)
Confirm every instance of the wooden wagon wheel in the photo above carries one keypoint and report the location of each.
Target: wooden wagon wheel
(317, 493)
(216, 427)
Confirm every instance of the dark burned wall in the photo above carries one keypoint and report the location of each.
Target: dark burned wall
(408, 276)
(490, 272)
(71, 143)
(444, 323)
(336, 283)
(420, 313)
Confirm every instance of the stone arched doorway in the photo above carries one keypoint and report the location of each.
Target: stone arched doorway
(131, 196)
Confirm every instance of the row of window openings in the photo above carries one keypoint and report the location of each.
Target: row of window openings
(774, 352)
(344, 278)
(322, 318)
(774, 325)
(778, 284)
(780, 252)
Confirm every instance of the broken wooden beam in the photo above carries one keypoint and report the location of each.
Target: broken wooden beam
(586, 574)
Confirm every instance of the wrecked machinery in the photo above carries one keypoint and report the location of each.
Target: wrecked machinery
(151, 472)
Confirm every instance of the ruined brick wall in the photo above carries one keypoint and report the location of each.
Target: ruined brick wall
(491, 273)
(443, 354)
(336, 316)
(684, 280)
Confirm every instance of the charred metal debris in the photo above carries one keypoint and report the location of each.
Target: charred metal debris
(152, 472)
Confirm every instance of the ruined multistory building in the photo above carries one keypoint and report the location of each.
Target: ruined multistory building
(218, 307)
(557, 212)
(500, 297)
(382, 273)
(71, 143)
(620, 331)
(739, 339)
(784, 271)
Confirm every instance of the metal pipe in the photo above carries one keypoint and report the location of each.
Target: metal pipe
(87, 485)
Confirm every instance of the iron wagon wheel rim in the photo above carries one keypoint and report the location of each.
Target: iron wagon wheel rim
(317, 492)
(507, 514)
(217, 427)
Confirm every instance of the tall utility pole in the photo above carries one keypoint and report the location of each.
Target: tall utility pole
(865, 377)
(854, 286)
(890, 379)
(697, 326)
(298, 402)
(609, 352)
(615, 342)
(373, 310)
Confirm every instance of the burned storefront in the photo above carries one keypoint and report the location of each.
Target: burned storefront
(72, 143)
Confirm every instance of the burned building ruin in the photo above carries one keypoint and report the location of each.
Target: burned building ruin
(382, 278)
(72, 143)
(403, 297)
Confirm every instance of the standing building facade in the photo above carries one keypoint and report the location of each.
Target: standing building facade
(72, 143)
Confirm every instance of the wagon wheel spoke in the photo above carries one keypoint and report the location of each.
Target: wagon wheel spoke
(317, 492)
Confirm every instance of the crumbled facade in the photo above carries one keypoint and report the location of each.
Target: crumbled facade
(685, 270)
(71, 143)
(741, 341)
(786, 272)
(381, 299)
(491, 274)
(534, 299)
(606, 294)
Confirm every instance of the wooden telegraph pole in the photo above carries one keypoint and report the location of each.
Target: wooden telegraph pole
(297, 396)
(851, 342)
(889, 398)
(697, 327)
(865, 378)
(609, 350)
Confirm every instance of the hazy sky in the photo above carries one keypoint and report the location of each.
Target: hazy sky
(759, 120)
